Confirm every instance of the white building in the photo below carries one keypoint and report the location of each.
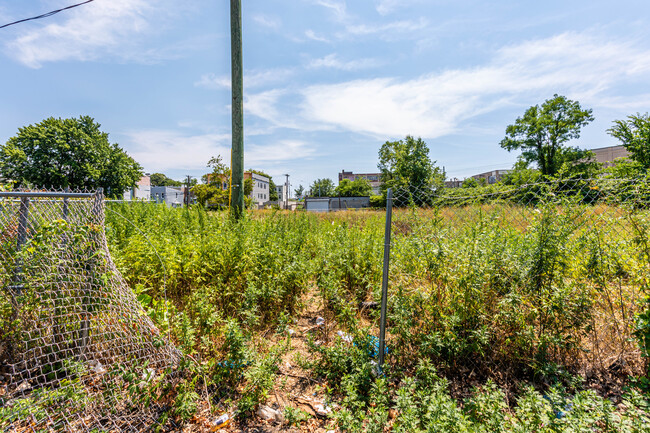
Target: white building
(141, 190)
(171, 195)
(260, 193)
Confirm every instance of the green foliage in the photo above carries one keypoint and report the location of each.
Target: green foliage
(634, 134)
(159, 179)
(541, 133)
(377, 201)
(295, 416)
(521, 175)
(353, 188)
(322, 188)
(72, 153)
(215, 191)
(406, 164)
(487, 286)
(470, 182)
(299, 192)
(642, 331)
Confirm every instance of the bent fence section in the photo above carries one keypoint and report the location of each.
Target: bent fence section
(74, 340)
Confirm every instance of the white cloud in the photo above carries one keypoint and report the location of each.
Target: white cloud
(404, 26)
(265, 106)
(214, 82)
(168, 150)
(284, 150)
(267, 21)
(252, 79)
(165, 150)
(580, 66)
(354, 27)
(336, 6)
(313, 36)
(385, 7)
(332, 61)
(92, 32)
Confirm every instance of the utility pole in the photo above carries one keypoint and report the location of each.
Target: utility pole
(286, 190)
(187, 191)
(237, 152)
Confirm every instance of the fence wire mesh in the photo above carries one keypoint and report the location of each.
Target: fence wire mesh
(538, 282)
(75, 344)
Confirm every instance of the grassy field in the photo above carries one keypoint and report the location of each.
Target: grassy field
(501, 317)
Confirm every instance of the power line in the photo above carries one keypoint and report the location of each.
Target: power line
(49, 14)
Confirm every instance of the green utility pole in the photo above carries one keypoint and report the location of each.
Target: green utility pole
(237, 153)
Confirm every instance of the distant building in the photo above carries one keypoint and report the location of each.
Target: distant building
(173, 196)
(327, 204)
(317, 204)
(260, 193)
(453, 183)
(491, 177)
(607, 155)
(283, 192)
(141, 190)
(221, 181)
(373, 178)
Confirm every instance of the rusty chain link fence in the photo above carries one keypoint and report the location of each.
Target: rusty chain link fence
(540, 282)
(76, 347)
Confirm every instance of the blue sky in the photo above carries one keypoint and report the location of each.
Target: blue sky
(326, 81)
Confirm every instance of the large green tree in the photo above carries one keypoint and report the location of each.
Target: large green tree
(406, 163)
(542, 132)
(215, 189)
(159, 179)
(322, 188)
(353, 188)
(72, 153)
(634, 134)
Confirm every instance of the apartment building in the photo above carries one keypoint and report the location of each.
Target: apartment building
(373, 178)
(261, 184)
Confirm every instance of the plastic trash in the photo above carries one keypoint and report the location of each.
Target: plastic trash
(323, 409)
(96, 367)
(345, 337)
(320, 321)
(269, 414)
(372, 346)
(221, 422)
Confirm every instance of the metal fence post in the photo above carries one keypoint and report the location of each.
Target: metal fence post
(23, 221)
(384, 281)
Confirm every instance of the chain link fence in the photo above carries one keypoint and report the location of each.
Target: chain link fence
(76, 348)
(537, 282)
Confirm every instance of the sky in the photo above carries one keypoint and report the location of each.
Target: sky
(326, 82)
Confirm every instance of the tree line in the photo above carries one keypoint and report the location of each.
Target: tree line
(74, 153)
(542, 135)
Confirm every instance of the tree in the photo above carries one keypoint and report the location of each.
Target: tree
(406, 163)
(543, 131)
(353, 188)
(322, 188)
(215, 189)
(634, 133)
(470, 182)
(72, 153)
(299, 191)
(159, 179)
